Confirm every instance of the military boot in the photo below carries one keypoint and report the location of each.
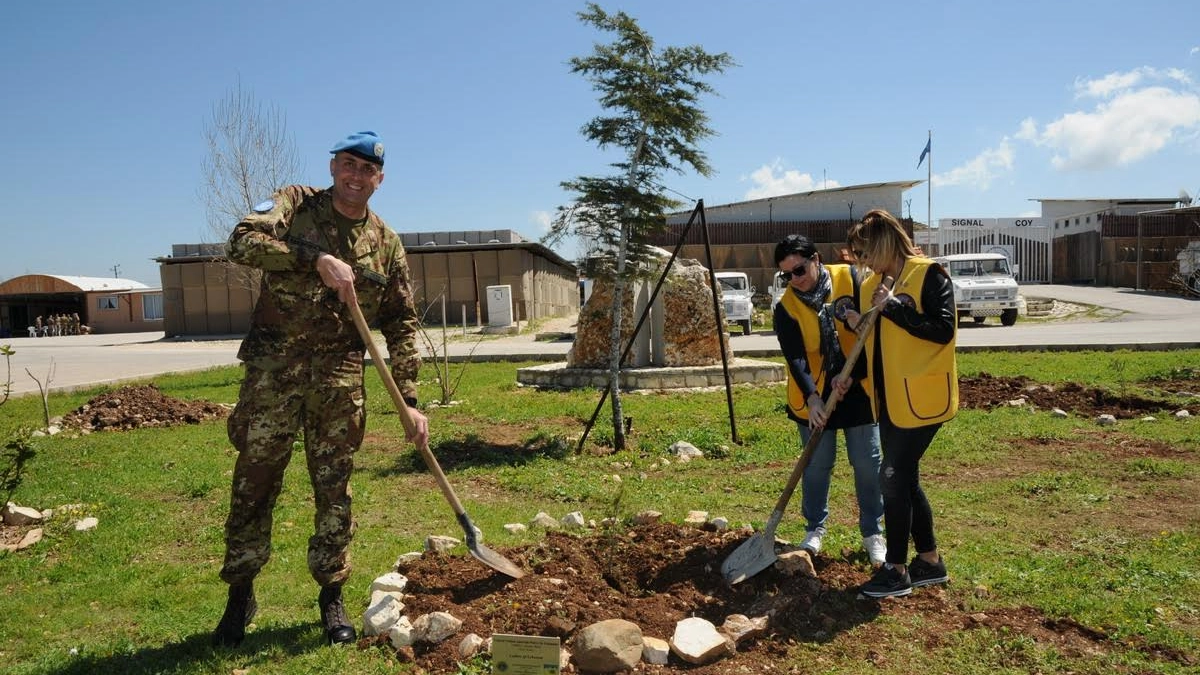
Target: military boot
(333, 616)
(239, 610)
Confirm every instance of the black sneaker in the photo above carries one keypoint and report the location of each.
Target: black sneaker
(924, 574)
(887, 582)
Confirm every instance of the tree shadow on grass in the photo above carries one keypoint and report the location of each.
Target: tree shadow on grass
(195, 653)
(475, 451)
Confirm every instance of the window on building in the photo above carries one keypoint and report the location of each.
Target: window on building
(106, 302)
(152, 307)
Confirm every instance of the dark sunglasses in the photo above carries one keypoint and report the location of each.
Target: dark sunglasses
(797, 271)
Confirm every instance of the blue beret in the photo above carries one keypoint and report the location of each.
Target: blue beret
(364, 144)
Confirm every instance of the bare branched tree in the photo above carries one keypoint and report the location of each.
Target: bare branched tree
(250, 155)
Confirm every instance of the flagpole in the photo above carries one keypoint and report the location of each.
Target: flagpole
(929, 184)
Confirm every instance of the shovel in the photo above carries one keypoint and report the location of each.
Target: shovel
(482, 553)
(758, 552)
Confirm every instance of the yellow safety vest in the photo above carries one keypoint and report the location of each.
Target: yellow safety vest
(806, 317)
(920, 377)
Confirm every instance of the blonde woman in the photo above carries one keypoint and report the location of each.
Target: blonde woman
(914, 382)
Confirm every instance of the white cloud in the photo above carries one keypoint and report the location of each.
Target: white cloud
(542, 220)
(1194, 51)
(1118, 83)
(1130, 127)
(771, 180)
(1138, 113)
(981, 170)
(1027, 131)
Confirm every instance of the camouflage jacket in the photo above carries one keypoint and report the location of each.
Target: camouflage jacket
(297, 314)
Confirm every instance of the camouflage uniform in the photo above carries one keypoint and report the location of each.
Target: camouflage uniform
(304, 370)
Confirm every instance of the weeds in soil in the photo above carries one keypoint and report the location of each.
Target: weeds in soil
(1099, 526)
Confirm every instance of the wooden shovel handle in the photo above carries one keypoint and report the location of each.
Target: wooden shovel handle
(410, 426)
(865, 325)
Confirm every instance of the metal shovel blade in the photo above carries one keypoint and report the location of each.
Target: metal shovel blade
(754, 555)
(486, 555)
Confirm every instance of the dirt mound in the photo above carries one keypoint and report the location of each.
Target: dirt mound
(988, 391)
(658, 575)
(139, 406)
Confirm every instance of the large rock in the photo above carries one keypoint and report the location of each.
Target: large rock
(609, 646)
(593, 331)
(381, 616)
(697, 641)
(740, 628)
(689, 330)
(20, 515)
(681, 331)
(435, 627)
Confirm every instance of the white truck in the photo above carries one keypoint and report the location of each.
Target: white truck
(736, 296)
(983, 286)
(778, 286)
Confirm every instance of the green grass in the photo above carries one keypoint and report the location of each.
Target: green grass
(1058, 515)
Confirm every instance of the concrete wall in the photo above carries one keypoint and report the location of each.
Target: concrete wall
(118, 313)
(541, 287)
(207, 297)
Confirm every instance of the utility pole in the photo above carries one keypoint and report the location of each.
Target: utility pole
(850, 205)
(908, 205)
(116, 270)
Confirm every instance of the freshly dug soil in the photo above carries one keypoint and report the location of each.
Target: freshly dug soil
(139, 406)
(986, 391)
(658, 575)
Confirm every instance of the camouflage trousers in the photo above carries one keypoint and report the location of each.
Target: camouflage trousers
(322, 396)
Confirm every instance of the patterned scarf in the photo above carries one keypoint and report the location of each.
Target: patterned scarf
(815, 299)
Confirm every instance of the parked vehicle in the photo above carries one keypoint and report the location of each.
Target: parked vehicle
(778, 286)
(983, 286)
(736, 296)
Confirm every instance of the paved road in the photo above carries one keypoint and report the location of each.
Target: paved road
(1130, 320)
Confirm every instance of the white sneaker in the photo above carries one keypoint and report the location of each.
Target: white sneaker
(876, 548)
(812, 541)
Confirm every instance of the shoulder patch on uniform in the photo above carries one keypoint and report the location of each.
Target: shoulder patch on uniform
(264, 207)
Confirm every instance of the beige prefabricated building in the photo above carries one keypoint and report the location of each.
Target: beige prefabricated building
(204, 294)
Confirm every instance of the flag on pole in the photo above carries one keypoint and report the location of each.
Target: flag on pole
(924, 152)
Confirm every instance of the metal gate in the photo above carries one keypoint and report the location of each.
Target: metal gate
(1026, 242)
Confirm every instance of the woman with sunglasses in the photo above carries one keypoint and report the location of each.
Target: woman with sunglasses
(815, 344)
(914, 389)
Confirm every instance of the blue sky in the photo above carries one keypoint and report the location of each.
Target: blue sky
(104, 105)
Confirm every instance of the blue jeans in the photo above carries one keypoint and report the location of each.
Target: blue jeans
(862, 447)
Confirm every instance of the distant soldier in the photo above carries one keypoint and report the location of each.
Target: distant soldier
(41, 328)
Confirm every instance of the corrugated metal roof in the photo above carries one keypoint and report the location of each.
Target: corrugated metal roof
(901, 184)
(1114, 200)
(93, 284)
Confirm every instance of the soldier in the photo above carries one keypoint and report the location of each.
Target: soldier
(320, 251)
